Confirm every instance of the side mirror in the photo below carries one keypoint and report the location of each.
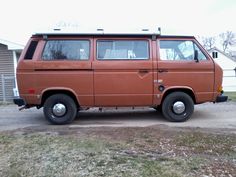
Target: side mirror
(214, 54)
(196, 56)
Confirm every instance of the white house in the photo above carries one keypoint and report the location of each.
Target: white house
(228, 64)
(9, 54)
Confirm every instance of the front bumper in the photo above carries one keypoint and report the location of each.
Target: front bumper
(221, 98)
(19, 101)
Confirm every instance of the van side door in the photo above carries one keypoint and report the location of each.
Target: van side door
(178, 67)
(123, 72)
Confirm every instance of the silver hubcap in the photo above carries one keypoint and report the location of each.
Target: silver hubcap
(179, 107)
(59, 109)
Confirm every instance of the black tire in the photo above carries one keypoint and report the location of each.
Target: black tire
(65, 115)
(170, 109)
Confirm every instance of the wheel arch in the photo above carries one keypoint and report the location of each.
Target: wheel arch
(52, 91)
(186, 90)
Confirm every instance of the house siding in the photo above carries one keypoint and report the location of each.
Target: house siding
(6, 70)
(229, 76)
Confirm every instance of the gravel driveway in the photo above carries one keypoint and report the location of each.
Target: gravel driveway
(208, 115)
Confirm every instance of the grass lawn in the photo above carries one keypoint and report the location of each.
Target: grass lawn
(231, 95)
(111, 152)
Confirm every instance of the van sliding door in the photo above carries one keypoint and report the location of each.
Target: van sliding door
(123, 73)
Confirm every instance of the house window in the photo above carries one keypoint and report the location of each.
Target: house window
(66, 50)
(122, 49)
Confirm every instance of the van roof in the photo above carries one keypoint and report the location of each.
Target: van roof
(103, 34)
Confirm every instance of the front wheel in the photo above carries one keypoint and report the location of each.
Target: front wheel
(177, 107)
(60, 109)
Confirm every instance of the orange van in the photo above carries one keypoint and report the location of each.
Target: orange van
(64, 73)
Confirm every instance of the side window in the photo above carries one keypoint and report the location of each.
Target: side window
(122, 49)
(66, 50)
(30, 51)
(179, 50)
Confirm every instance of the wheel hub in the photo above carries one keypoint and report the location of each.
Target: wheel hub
(59, 109)
(178, 107)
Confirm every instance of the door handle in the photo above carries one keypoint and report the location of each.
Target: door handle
(162, 70)
(143, 71)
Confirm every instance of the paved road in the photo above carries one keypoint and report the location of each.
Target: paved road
(209, 115)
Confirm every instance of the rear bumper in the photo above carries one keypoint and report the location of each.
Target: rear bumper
(19, 101)
(221, 98)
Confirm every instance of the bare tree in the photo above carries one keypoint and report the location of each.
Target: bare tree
(208, 42)
(227, 39)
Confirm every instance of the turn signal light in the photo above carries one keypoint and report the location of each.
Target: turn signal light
(220, 89)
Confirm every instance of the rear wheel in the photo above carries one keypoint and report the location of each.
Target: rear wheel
(177, 107)
(60, 109)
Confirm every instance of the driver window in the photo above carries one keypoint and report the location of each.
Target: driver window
(201, 56)
(179, 50)
(186, 49)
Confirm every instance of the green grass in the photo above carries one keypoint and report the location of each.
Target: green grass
(37, 155)
(5, 103)
(96, 153)
(211, 144)
(231, 95)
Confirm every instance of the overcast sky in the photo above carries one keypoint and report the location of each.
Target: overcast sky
(21, 18)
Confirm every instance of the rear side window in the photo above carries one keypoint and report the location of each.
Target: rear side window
(66, 50)
(122, 49)
(30, 51)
